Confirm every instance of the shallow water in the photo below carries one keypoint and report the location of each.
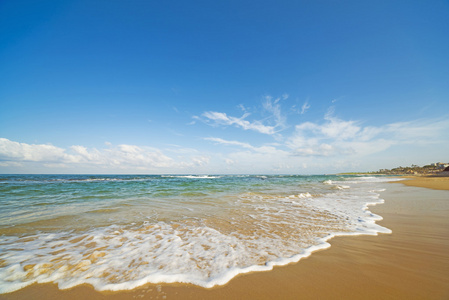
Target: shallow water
(118, 232)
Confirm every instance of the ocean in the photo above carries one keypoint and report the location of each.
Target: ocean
(118, 232)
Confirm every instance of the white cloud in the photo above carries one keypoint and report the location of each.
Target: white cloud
(59, 166)
(229, 162)
(331, 144)
(319, 150)
(417, 130)
(274, 108)
(339, 129)
(14, 151)
(263, 149)
(305, 107)
(223, 119)
(201, 161)
(242, 108)
(275, 122)
(121, 157)
(131, 155)
(85, 155)
(338, 137)
(10, 164)
(225, 142)
(328, 145)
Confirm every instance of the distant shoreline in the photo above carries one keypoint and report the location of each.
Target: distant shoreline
(431, 182)
(439, 174)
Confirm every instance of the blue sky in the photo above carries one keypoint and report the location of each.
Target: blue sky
(300, 87)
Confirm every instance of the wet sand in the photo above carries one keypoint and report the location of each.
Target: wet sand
(410, 263)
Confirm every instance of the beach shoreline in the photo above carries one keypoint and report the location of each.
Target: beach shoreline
(410, 263)
(430, 182)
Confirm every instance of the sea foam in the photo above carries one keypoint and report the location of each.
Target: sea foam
(252, 231)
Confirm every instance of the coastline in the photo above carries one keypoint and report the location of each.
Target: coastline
(430, 182)
(410, 263)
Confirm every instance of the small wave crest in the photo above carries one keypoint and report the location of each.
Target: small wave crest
(191, 176)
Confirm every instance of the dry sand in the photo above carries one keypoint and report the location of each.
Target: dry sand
(437, 183)
(410, 263)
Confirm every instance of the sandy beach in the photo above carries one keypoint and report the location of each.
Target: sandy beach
(410, 263)
(434, 182)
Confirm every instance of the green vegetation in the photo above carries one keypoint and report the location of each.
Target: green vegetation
(413, 169)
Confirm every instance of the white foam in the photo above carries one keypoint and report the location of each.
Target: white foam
(301, 195)
(371, 179)
(342, 187)
(260, 231)
(192, 176)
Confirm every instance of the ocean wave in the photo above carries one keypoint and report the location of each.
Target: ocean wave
(207, 243)
(191, 176)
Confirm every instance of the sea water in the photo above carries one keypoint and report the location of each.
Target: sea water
(118, 232)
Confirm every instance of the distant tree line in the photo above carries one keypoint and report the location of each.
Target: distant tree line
(413, 169)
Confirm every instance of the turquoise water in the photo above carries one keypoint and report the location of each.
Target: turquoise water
(33, 198)
(120, 231)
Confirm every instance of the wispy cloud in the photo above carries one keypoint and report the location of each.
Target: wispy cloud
(339, 137)
(267, 149)
(334, 145)
(329, 138)
(232, 143)
(223, 119)
(242, 108)
(275, 122)
(305, 107)
(273, 107)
